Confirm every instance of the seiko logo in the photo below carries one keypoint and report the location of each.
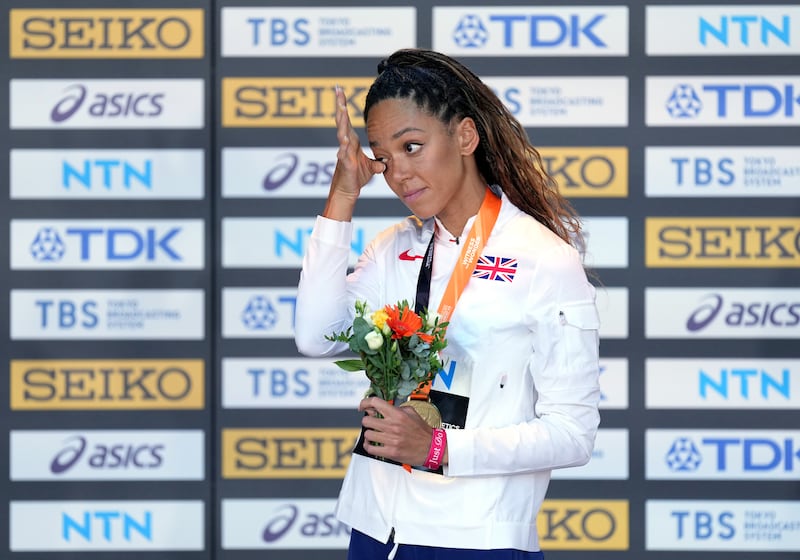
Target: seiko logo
(289, 101)
(108, 33)
(282, 453)
(723, 242)
(106, 384)
(583, 525)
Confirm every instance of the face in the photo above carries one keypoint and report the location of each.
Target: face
(429, 165)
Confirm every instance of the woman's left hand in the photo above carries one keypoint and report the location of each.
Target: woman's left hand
(404, 436)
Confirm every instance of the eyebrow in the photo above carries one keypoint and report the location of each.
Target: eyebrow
(399, 133)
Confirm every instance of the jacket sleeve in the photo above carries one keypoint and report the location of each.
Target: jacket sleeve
(326, 294)
(564, 324)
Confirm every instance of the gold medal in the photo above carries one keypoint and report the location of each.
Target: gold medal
(427, 411)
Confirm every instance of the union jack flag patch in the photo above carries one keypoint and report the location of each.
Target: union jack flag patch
(502, 269)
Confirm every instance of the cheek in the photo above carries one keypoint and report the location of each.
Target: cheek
(394, 185)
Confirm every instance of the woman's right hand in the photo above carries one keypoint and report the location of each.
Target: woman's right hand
(353, 168)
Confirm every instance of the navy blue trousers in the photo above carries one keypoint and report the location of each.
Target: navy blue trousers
(363, 547)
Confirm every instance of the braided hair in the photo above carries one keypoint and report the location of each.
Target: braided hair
(446, 89)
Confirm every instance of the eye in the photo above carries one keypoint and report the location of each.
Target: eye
(412, 147)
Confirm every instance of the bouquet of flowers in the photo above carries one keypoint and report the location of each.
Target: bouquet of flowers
(398, 348)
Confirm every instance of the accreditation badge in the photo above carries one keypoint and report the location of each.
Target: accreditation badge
(451, 387)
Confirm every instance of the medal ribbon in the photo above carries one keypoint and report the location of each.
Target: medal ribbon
(475, 242)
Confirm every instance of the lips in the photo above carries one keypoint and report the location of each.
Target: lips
(411, 196)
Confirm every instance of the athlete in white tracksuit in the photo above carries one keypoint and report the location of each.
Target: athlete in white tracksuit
(519, 392)
(525, 350)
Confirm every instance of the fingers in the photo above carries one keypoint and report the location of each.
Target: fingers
(373, 405)
(397, 433)
(344, 128)
(377, 166)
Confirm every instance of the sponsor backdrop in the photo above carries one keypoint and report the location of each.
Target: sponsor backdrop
(163, 164)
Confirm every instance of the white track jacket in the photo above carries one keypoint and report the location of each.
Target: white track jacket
(523, 346)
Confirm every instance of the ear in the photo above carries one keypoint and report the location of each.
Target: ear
(467, 135)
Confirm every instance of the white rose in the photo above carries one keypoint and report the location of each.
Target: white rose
(374, 340)
(432, 319)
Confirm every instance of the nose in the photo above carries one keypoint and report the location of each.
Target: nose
(397, 171)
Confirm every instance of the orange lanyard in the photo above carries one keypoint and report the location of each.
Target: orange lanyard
(476, 241)
(473, 246)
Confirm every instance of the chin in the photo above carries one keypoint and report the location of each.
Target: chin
(421, 213)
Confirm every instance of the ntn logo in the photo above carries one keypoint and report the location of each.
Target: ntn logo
(107, 173)
(749, 381)
(743, 27)
(295, 242)
(108, 525)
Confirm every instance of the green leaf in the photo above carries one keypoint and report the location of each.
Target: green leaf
(350, 365)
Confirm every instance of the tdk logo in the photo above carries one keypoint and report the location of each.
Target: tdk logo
(683, 455)
(47, 246)
(107, 244)
(259, 314)
(730, 100)
(748, 454)
(722, 454)
(113, 244)
(684, 102)
(470, 32)
(538, 31)
(723, 100)
(753, 101)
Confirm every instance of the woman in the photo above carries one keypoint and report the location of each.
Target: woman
(523, 327)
